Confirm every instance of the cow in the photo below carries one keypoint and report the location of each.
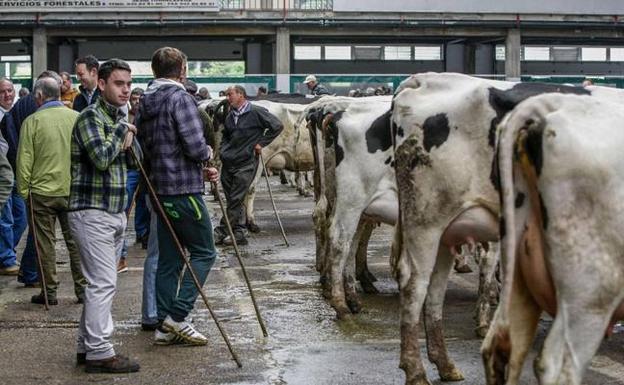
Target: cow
(444, 132)
(562, 188)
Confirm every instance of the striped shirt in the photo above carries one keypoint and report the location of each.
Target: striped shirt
(98, 164)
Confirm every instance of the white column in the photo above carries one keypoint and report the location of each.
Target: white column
(282, 59)
(512, 55)
(39, 51)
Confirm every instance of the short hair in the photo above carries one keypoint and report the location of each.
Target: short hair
(107, 68)
(190, 87)
(65, 75)
(262, 89)
(50, 74)
(137, 91)
(240, 89)
(48, 87)
(23, 92)
(167, 62)
(89, 61)
(3, 79)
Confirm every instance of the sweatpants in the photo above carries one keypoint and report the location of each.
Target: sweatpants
(191, 222)
(99, 236)
(236, 182)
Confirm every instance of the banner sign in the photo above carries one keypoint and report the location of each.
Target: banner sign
(47, 6)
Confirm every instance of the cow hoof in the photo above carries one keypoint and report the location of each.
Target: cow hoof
(463, 269)
(354, 306)
(418, 381)
(252, 227)
(344, 315)
(451, 374)
(368, 287)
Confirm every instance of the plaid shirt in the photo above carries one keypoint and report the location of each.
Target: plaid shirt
(98, 164)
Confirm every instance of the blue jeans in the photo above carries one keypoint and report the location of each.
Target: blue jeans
(141, 214)
(28, 272)
(13, 222)
(149, 313)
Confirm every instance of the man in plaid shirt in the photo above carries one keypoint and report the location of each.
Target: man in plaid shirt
(99, 164)
(172, 135)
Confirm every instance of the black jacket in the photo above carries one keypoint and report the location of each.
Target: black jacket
(256, 126)
(81, 101)
(319, 89)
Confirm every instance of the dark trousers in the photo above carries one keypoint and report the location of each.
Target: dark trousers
(191, 222)
(236, 182)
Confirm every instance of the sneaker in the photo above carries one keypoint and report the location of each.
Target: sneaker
(166, 338)
(115, 364)
(122, 266)
(9, 270)
(185, 331)
(39, 299)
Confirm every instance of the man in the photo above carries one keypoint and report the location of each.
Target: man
(7, 96)
(97, 200)
(87, 74)
(23, 92)
(68, 92)
(314, 86)
(171, 133)
(13, 220)
(262, 91)
(248, 128)
(8, 262)
(135, 96)
(203, 93)
(43, 165)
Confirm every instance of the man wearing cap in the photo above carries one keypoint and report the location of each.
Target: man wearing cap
(314, 86)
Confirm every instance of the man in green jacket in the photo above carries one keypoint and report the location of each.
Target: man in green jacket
(43, 171)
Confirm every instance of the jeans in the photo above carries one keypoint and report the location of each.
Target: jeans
(13, 222)
(141, 214)
(149, 314)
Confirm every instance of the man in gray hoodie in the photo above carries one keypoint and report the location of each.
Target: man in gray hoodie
(171, 134)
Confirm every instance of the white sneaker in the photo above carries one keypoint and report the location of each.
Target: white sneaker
(184, 331)
(166, 338)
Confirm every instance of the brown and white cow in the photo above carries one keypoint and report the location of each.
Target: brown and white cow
(562, 179)
(444, 130)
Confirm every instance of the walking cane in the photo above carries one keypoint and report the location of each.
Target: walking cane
(240, 260)
(44, 287)
(187, 263)
(266, 176)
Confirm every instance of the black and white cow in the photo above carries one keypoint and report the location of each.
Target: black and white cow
(562, 184)
(445, 134)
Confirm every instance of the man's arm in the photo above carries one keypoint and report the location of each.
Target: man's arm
(102, 150)
(25, 159)
(271, 125)
(6, 180)
(190, 129)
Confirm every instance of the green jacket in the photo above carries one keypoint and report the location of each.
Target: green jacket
(43, 153)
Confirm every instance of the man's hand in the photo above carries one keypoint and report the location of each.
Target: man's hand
(258, 149)
(128, 140)
(131, 128)
(211, 174)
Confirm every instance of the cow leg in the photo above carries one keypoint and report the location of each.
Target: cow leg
(249, 203)
(436, 347)
(487, 287)
(353, 301)
(413, 268)
(362, 273)
(505, 348)
(283, 178)
(576, 333)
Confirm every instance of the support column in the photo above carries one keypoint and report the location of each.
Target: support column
(39, 51)
(282, 59)
(512, 55)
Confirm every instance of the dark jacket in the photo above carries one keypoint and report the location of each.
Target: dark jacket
(319, 89)
(82, 101)
(12, 122)
(171, 135)
(256, 126)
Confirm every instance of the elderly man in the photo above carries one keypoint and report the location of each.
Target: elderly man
(8, 262)
(7, 96)
(43, 163)
(314, 86)
(87, 73)
(97, 200)
(68, 92)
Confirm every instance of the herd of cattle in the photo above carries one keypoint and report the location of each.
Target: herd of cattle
(452, 160)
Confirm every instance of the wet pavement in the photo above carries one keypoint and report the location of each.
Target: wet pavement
(306, 345)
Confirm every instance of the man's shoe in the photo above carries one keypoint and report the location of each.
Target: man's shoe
(122, 266)
(39, 299)
(150, 327)
(9, 270)
(81, 359)
(240, 240)
(219, 235)
(166, 338)
(80, 299)
(115, 364)
(143, 240)
(33, 285)
(184, 331)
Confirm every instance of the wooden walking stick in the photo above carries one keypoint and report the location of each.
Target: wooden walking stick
(240, 260)
(31, 216)
(185, 259)
(279, 221)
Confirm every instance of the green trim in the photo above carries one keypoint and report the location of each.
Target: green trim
(198, 212)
